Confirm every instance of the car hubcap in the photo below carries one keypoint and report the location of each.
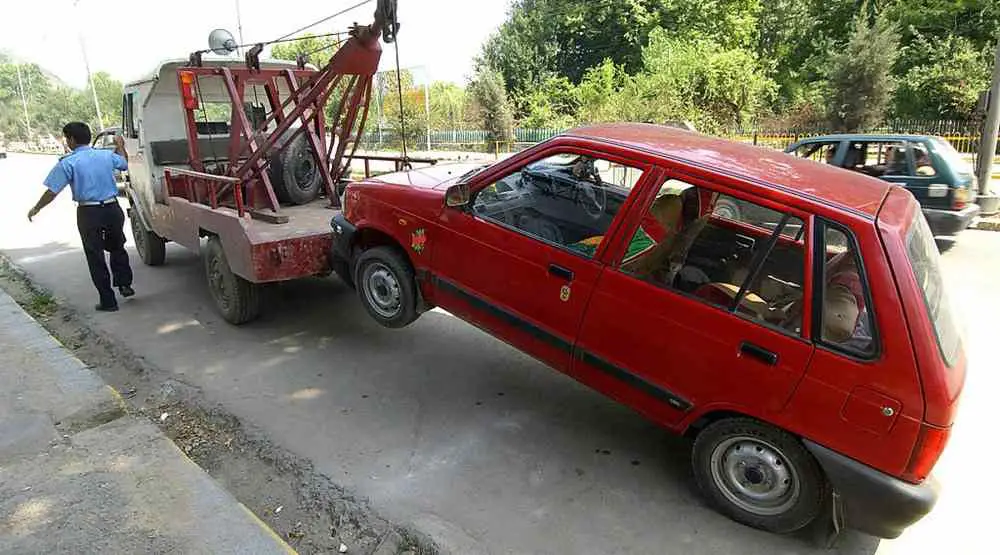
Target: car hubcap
(755, 476)
(382, 290)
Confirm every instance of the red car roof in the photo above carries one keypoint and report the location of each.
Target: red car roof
(846, 189)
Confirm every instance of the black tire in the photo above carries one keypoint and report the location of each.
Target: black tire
(296, 177)
(769, 462)
(151, 247)
(385, 283)
(237, 299)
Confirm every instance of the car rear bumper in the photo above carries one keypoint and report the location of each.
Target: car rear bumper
(874, 502)
(950, 222)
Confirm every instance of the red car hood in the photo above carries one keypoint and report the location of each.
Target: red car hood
(431, 177)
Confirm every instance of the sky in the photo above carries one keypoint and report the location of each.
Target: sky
(129, 38)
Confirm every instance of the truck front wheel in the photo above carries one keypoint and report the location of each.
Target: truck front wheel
(385, 283)
(151, 247)
(237, 299)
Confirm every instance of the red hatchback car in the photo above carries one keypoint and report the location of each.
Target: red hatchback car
(812, 355)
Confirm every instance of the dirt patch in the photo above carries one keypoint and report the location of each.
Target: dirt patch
(309, 511)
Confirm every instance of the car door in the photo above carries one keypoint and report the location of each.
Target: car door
(700, 326)
(522, 258)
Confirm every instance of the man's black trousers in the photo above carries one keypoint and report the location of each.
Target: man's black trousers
(101, 229)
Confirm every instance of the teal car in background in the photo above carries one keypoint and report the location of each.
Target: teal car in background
(928, 166)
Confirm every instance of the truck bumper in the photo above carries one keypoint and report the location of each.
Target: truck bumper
(950, 222)
(874, 502)
(342, 257)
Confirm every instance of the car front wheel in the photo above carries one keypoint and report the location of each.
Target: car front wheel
(385, 283)
(758, 475)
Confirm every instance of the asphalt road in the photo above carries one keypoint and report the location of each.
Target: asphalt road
(472, 442)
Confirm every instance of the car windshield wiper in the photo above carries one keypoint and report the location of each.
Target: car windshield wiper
(472, 172)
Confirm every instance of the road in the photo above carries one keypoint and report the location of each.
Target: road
(443, 427)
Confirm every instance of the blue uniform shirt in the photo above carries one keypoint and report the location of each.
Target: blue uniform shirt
(89, 172)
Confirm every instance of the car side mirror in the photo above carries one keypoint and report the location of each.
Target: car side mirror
(457, 196)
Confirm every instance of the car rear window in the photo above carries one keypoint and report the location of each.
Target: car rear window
(952, 157)
(924, 259)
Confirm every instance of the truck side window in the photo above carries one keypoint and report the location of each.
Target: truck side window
(130, 128)
(845, 321)
(568, 200)
(752, 267)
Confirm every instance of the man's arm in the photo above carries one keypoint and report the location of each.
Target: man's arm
(47, 197)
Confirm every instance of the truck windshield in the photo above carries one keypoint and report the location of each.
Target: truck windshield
(924, 259)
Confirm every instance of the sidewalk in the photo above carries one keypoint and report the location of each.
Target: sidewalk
(79, 475)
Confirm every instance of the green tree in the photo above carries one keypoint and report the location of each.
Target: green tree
(109, 98)
(861, 81)
(414, 117)
(946, 82)
(553, 104)
(487, 89)
(317, 50)
(448, 102)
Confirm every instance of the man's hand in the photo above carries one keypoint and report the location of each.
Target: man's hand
(32, 213)
(46, 198)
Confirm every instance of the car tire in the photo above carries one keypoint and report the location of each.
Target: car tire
(295, 176)
(237, 299)
(758, 475)
(151, 247)
(385, 283)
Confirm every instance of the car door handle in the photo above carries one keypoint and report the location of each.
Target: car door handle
(767, 357)
(561, 272)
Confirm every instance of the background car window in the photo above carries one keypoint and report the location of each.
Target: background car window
(877, 158)
(820, 152)
(845, 317)
(742, 211)
(923, 166)
(566, 200)
(682, 246)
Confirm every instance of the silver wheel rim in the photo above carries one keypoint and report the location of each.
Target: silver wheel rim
(755, 476)
(382, 290)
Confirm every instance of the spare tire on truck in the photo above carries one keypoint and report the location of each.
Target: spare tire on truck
(294, 173)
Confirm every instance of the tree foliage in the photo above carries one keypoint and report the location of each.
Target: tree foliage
(490, 97)
(861, 82)
(316, 50)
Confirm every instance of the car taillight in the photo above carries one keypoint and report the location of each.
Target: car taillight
(930, 445)
(960, 199)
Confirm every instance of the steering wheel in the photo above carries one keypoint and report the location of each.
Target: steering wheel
(592, 196)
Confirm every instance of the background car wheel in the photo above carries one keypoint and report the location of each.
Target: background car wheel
(758, 475)
(237, 299)
(384, 280)
(151, 247)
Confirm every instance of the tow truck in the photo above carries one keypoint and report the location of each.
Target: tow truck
(241, 160)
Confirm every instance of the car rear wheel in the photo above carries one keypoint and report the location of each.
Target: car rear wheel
(151, 247)
(237, 299)
(386, 286)
(758, 475)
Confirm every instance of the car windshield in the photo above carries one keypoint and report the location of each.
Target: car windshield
(924, 259)
(951, 156)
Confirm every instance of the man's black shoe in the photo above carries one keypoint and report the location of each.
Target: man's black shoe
(126, 291)
(107, 308)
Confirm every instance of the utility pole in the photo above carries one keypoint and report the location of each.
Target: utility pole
(90, 76)
(239, 24)
(24, 100)
(988, 144)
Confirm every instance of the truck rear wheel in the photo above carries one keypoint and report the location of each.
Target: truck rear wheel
(758, 475)
(385, 283)
(237, 299)
(151, 247)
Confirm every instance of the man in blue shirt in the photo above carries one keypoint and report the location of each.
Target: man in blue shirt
(90, 174)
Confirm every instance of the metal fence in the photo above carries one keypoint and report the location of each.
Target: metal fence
(962, 134)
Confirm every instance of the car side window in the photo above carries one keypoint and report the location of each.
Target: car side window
(877, 158)
(819, 152)
(923, 166)
(756, 271)
(568, 200)
(842, 295)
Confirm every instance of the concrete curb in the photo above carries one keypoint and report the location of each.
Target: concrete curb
(68, 446)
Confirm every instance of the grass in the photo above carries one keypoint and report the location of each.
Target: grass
(42, 304)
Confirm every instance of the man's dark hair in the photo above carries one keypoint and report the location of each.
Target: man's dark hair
(78, 131)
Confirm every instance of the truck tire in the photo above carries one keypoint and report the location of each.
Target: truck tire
(151, 247)
(758, 475)
(296, 177)
(385, 284)
(237, 299)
